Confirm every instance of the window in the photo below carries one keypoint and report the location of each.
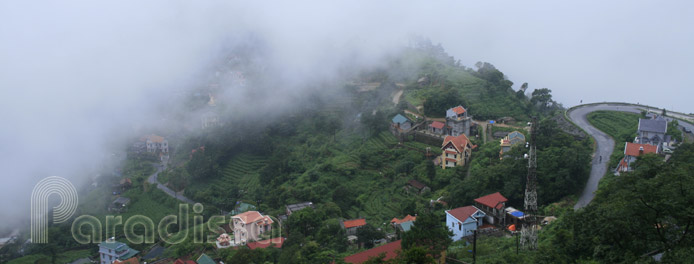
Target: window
(460, 227)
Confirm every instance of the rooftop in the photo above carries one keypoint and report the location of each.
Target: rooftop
(205, 259)
(459, 142)
(299, 206)
(417, 184)
(354, 223)
(389, 249)
(251, 217)
(463, 213)
(493, 200)
(121, 200)
(276, 242)
(634, 149)
(400, 119)
(153, 138)
(437, 125)
(458, 110)
(658, 125)
(404, 219)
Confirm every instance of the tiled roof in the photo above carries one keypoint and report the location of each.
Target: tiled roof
(252, 216)
(463, 213)
(391, 251)
(132, 260)
(404, 219)
(181, 261)
(276, 242)
(154, 138)
(634, 149)
(459, 142)
(437, 124)
(493, 200)
(658, 125)
(458, 109)
(354, 223)
(417, 184)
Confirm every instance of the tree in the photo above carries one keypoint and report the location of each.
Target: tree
(430, 169)
(542, 96)
(367, 234)
(428, 232)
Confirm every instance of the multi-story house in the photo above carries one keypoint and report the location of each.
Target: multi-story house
(512, 139)
(652, 131)
(458, 121)
(156, 144)
(248, 226)
(456, 151)
(494, 206)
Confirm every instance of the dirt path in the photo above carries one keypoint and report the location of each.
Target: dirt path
(396, 96)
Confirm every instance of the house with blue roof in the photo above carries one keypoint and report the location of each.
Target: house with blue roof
(402, 122)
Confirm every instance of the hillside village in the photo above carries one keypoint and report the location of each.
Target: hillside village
(349, 181)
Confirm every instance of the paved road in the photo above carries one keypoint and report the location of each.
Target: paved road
(153, 179)
(605, 144)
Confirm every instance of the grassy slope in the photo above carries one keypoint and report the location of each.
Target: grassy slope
(471, 88)
(620, 126)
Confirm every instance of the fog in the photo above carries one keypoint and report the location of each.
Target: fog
(80, 78)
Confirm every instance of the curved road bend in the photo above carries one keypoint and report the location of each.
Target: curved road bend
(604, 145)
(153, 180)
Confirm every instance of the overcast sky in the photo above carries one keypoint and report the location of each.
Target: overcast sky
(75, 75)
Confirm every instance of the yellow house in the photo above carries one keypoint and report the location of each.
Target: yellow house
(456, 151)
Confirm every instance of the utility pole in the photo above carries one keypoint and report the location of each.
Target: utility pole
(529, 230)
(474, 246)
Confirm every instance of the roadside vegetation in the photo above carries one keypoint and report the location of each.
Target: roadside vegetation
(621, 126)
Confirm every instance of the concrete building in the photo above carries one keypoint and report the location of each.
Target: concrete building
(458, 121)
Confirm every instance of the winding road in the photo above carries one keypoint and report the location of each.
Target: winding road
(153, 180)
(604, 143)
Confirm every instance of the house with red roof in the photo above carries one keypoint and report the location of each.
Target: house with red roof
(631, 152)
(351, 226)
(456, 151)
(248, 226)
(275, 242)
(437, 127)
(182, 261)
(458, 121)
(463, 221)
(494, 206)
(390, 250)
